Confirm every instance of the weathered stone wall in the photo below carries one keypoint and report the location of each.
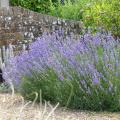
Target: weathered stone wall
(19, 25)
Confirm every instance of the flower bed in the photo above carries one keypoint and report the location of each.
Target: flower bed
(78, 73)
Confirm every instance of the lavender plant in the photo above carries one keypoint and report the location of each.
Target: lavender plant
(79, 73)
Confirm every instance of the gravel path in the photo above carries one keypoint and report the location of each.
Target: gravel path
(15, 108)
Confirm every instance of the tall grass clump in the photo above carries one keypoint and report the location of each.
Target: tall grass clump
(79, 73)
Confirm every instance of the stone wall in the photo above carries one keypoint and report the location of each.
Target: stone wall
(19, 25)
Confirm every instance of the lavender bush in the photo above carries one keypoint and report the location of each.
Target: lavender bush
(78, 73)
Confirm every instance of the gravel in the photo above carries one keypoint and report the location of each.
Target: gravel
(14, 107)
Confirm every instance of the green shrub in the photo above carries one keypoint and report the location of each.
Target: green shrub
(69, 93)
(70, 10)
(80, 74)
(93, 13)
(105, 14)
(48, 82)
(35, 5)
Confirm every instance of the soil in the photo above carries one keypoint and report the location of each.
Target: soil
(14, 107)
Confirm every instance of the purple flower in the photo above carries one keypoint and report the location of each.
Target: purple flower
(70, 58)
(95, 79)
(110, 87)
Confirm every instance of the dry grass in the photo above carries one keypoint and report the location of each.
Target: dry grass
(13, 107)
